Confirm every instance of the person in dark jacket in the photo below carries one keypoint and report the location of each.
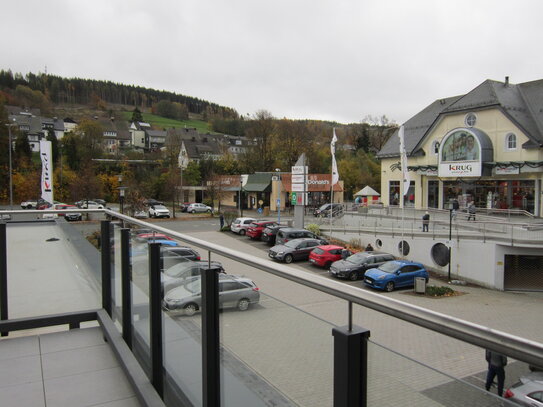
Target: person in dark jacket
(369, 247)
(496, 364)
(425, 222)
(221, 220)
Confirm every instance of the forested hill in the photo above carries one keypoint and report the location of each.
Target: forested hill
(89, 91)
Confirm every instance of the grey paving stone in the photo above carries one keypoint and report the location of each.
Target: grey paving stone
(73, 339)
(16, 347)
(22, 395)
(20, 370)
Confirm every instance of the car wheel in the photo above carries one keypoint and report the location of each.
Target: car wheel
(28, 206)
(243, 304)
(242, 232)
(190, 309)
(208, 211)
(288, 258)
(193, 211)
(353, 276)
(389, 287)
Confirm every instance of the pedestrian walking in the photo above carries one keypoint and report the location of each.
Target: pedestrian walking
(345, 253)
(221, 220)
(471, 211)
(425, 221)
(496, 364)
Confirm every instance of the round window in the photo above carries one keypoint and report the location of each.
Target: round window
(379, 243)
(403, 248)
(470, 119)
(440, 254)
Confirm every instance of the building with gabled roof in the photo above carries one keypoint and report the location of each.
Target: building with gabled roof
(483, 147)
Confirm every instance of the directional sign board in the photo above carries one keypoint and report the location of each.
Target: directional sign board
(299, 169)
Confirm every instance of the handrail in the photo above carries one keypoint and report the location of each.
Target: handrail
(475, 334)
(514, 346)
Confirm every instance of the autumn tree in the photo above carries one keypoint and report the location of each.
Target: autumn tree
(90, 134)
(381, 129)
(259, 157)
(23, 152)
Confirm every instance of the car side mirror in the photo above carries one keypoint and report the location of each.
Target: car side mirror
(398, 272)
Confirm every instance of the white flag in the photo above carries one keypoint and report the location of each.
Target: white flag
(46, 171)
(335, 174)
(403, 157)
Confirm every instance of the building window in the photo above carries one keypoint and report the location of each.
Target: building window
(511, 142)
(394, 192)
(435, 147)
(470, 119)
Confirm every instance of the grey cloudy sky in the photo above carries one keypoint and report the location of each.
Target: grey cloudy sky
(332, 60)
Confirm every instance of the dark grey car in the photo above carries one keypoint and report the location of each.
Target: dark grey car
(286, 234)
(354, 267)
(297, 249)
(177, 274)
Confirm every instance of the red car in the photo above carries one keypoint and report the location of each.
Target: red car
(256, 228)
(324, 256)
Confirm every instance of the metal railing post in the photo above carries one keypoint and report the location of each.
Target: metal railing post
(350, 366)
(155, 321)
(3, 275)
(105, 247)
(126, 279)
(210, 338)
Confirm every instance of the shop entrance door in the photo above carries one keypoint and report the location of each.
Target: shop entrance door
(523, 273)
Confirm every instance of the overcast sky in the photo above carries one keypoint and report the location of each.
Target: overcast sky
(334, 60)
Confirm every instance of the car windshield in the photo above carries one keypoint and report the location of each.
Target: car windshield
(194, 286)
(292, 243)
(357, 258)
(160, 207)
(179, 269)
(324, 207)
(390, 267)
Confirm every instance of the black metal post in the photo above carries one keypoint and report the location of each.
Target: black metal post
(450, 238)
(350, 366)
(105, 247)
(3, 274)
(210, 338)
(155, 314)
(125, 286)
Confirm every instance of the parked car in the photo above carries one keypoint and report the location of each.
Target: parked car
(354, 266)
(30, 204)
(159, 211)
(270, 233)
(149, 237)
(394, 274)
(184, 206)
(296, 249)
(286, 234)
(177, 274)
(325, 255)
(100, 202)
(255, 229)
(169, 256)
(325, 210)
(69, 216)
(240, 225)
(234, 292)
(198, 207)
(140, 215)
(151, 201)
(528, 391)
(87, 204)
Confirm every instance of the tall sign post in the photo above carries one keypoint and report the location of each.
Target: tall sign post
(299, 189)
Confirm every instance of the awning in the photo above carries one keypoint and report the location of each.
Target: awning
(257, 182)
(367, 191)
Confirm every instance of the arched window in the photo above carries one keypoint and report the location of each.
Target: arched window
(435, 147)
(511, 141)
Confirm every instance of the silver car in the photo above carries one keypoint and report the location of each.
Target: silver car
(528, 391)
(199, 207)
(234, 292)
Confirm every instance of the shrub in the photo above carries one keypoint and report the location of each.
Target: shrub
(355, 243)
(442, 291)
(314, 228)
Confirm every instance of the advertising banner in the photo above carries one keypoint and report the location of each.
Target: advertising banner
(46, 171)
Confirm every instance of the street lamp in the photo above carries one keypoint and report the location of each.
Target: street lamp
(450, 238)
(278, 171)
(10, 167)
(121, 193)
(239, 197)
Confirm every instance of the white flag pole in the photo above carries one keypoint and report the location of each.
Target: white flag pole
(335, 175)
(405, 178)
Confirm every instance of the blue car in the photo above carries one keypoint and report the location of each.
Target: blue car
(393, 274)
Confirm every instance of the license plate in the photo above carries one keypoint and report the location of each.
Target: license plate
(312, 260)
(367, 280)
(333, 271)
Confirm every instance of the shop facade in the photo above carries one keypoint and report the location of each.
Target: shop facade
(482, 147)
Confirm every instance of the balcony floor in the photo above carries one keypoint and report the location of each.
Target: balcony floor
(69, 368)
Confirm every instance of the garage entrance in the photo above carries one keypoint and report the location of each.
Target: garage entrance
(523, 273)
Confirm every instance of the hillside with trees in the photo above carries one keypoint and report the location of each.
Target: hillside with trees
(274, 143)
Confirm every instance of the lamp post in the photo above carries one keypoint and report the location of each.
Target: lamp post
(121, 192)
(450, 238)
(239, 197)
(278, 171)
(10, 166)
